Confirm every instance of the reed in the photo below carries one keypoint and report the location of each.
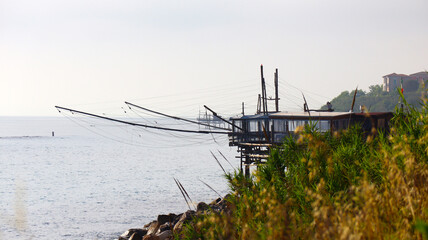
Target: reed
(342, 185)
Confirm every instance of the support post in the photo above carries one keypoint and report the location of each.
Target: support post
(243, 109)
(242, 170)
(247, 162)
(264, 100)
(276, 91)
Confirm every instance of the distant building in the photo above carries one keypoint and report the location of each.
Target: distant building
(393, 81)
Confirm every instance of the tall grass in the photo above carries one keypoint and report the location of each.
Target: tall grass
(342, 185)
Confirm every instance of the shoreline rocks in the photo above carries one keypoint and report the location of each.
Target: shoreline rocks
(165, 227)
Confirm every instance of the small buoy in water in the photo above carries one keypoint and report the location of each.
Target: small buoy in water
(53, 134)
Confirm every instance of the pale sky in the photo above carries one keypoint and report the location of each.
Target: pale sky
(96, 54)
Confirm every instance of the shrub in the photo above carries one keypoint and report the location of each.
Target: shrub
(342, 185)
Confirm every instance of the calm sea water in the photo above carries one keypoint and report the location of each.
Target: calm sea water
(80, 185)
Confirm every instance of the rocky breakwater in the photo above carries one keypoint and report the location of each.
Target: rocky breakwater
(171, 225)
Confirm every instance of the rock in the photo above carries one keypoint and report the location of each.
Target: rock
(150, 237)
(214, 205)
(220, 204)
(164, 227)
(165, 235)
(172, 216)
(202, 207)
(185, 218)
(124, 236)
(162, 219)
(128, 234)
(216, 208)
(153, 228)
(148, 224)
(215, 201)
(177, 218)
(136, 236)
(168, 226)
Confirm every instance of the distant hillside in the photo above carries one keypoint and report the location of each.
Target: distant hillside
(376, 100)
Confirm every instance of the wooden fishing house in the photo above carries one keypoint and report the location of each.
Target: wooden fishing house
(254, 135)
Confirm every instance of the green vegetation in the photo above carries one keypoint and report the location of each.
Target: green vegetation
(376, 100)
(342, 185)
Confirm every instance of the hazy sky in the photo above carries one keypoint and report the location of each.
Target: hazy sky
(75, 53)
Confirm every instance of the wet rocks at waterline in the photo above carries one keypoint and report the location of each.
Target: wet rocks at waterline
(168, 226)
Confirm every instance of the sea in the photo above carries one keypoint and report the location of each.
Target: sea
(70, 178)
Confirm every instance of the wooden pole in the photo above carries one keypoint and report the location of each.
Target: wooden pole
(264, 100)
(353, 100)
(138, 124)
(247, 162)
(174, 117)
(243, 109)
(224, 120)
(276, 91)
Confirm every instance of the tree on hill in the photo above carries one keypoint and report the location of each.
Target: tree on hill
(411, 85)
(376, 100)
(376, 91)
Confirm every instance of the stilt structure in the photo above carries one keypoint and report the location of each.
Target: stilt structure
(255, 135)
